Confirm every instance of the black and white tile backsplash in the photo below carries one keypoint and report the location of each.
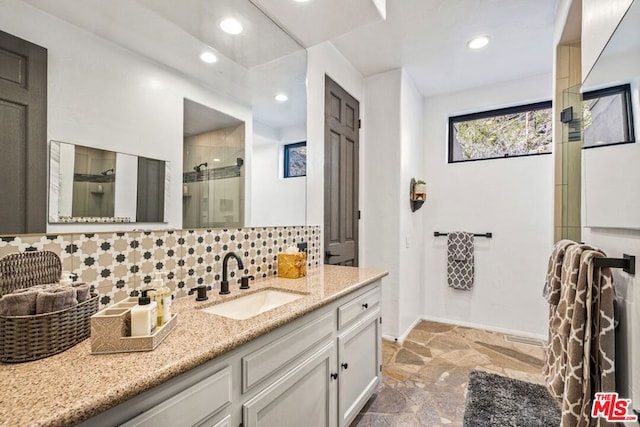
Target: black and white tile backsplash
(119, 264)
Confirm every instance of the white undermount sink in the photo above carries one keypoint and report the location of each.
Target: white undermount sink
(252, 304)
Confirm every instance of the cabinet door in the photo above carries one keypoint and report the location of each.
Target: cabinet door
(306, 396)
(359, 358)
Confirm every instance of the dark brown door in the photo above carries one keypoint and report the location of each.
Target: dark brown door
(342, 113)
(23, 136)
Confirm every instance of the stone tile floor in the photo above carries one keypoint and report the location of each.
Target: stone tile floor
(425, 378)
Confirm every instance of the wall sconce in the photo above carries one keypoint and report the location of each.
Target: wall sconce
(417, 194)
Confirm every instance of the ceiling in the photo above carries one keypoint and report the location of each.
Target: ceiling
(428, 37)
(199, 119)
(251, 68)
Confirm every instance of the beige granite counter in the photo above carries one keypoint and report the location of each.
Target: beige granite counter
(73, 386)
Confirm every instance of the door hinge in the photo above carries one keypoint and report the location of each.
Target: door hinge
(359, 124)
(359, 215)
(381, 320)
(380, 368)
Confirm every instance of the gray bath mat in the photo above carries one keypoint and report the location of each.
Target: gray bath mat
(497, 401)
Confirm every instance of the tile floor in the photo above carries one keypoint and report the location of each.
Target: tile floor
(425, 378)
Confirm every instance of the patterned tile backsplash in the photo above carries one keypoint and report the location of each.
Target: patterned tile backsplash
(119, 264)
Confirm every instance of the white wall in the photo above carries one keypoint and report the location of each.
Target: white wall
(323, 59)
(411, 223)
(103, 96)
(512, 198)
(599, 21)
(382, 201)
(394, 234)
(276, 200)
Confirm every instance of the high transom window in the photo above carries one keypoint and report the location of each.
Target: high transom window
(607, 117)
(507, 132)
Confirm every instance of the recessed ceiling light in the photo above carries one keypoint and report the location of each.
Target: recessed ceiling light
(301, 1)
(478, 42)
(231, 26)
(208, 57)
(216, 160)
(281, 97)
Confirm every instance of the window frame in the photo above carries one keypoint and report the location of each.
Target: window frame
(492, 113)
(285, 161)
(625, 90)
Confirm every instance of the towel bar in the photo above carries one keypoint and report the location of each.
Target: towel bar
(487, 235)
(627, 263)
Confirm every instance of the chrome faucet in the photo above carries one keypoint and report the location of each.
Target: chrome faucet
(224, 285)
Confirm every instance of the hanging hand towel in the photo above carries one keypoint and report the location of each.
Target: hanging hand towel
(460, 263)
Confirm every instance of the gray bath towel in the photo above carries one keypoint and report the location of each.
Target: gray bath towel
(21, 302)
(83, 291)
(55, 300)
(460, 262)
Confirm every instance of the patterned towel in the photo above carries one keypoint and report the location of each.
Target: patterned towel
(581, 349)
(460, 263)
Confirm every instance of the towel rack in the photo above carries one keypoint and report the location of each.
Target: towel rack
(487, 235)
(627, 263)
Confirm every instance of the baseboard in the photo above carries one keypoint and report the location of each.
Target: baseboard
(485, 327)
(400, 339)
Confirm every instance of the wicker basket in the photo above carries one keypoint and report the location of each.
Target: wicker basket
(26, 338)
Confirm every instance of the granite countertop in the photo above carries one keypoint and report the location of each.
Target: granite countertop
(73, 386)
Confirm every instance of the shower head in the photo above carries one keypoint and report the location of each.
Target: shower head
(198, 168)
(105, 173)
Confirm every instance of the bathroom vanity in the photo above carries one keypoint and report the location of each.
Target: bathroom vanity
(313, 361)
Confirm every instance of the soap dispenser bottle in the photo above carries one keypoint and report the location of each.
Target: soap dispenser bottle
(162, 297)
(144, 316)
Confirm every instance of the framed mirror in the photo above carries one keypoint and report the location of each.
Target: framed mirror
(91, 185)
(610, 164)
(257, 77)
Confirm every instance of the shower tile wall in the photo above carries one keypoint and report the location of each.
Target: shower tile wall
(119, 264)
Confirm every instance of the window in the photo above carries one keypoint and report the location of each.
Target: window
(295, 160)
(607, 117)
(508, 132)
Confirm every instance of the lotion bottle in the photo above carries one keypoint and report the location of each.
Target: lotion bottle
(162, 297)
(144, 316)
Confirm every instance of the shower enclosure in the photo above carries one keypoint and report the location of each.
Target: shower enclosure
(213, 179)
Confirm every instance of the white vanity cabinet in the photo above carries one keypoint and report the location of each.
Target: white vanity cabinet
(318, 370)
(193, 406)
(303, 397)
(359, 351)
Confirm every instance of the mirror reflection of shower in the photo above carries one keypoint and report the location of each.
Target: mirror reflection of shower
(93, 183)
(198, 168)
(213, 173)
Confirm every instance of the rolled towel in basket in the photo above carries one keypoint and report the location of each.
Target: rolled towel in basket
(83, 291)
(55, 300)
(21, 302)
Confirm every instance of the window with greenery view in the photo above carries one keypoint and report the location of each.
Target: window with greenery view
(607, 117)
(295, 160)
(507, 132)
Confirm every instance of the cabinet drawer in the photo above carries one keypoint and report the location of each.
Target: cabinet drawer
(190, 406)
(262, 363)
(364, 304)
